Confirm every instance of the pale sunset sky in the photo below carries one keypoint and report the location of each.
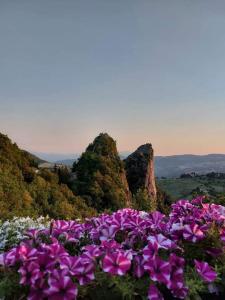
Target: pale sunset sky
(143, 71)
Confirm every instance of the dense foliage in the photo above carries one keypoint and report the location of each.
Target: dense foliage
(100, 174)
(27, 191)
(129, 254)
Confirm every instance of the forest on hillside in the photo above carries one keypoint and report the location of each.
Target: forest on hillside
(97, 183)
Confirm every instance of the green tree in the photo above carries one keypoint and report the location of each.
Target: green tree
(99, 175)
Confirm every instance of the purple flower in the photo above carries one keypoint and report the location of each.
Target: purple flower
(72, 265)
(205, 271)
(29, 273)
(91, 251)
(150, 251)
(176, 281)
(139, 266)
(192, 232)
(180, 293)
(85, 272)
(37, 290)
(10, 258)
(162, 241)
(158, 269)
(61, 287)
(108, 232)
(116, 263)
(154, 293)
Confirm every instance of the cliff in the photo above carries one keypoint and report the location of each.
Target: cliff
(140, 170)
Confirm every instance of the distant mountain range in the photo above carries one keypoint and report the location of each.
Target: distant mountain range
(175, 165)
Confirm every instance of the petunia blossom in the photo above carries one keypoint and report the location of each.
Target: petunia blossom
(154, 293)
(205, 271)
(116, 263)
(159, 270)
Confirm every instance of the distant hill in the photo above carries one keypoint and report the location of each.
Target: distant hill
(66, 162)
(175, 165)
(69, 161)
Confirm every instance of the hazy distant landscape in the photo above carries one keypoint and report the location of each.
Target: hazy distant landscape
(170, 166)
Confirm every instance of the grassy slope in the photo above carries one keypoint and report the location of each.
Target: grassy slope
(182, 187)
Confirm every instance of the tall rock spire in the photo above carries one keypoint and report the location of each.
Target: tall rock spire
(100, 175)
(140, 170)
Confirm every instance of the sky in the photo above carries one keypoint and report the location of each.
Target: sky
(143, 71)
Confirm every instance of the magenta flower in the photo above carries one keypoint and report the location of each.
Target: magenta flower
(108, 232)
(154, 293)
(180, 293)
(139, 266)
(159, 270)
(37, 290)
(91, 252)
(116, 263)
(56, 251)
(110, 246)
(162, 241)
(10, 258)
(85, 272)
(72, 265)
(61, 287)
(150, 251)
(193, 233)
(198, 200)
(176, 281)
(205, 271)
(29, 273)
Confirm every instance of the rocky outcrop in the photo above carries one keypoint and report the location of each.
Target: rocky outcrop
(126, 188)
(100, 175)
(140, 170)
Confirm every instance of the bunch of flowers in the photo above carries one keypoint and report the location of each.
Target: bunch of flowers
(13, 231)
(56, 262)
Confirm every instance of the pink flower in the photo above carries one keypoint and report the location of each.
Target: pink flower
(154, 293)
(61, 287)
(162, 241)
(158, 269)
(11, 257)
(72, 265)
(193, 233)
(37, 290)
(85, 273)
(108, 232)
(139, 266)
(91, 252)
(176, 281)
(205, 271)
(150, 251)
(180, 293)
(116, 263)
(29, 272)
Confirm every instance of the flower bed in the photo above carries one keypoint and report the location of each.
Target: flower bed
(129, 254)
(13, 231)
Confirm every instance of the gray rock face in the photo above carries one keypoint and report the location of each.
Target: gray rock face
(140, 170)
